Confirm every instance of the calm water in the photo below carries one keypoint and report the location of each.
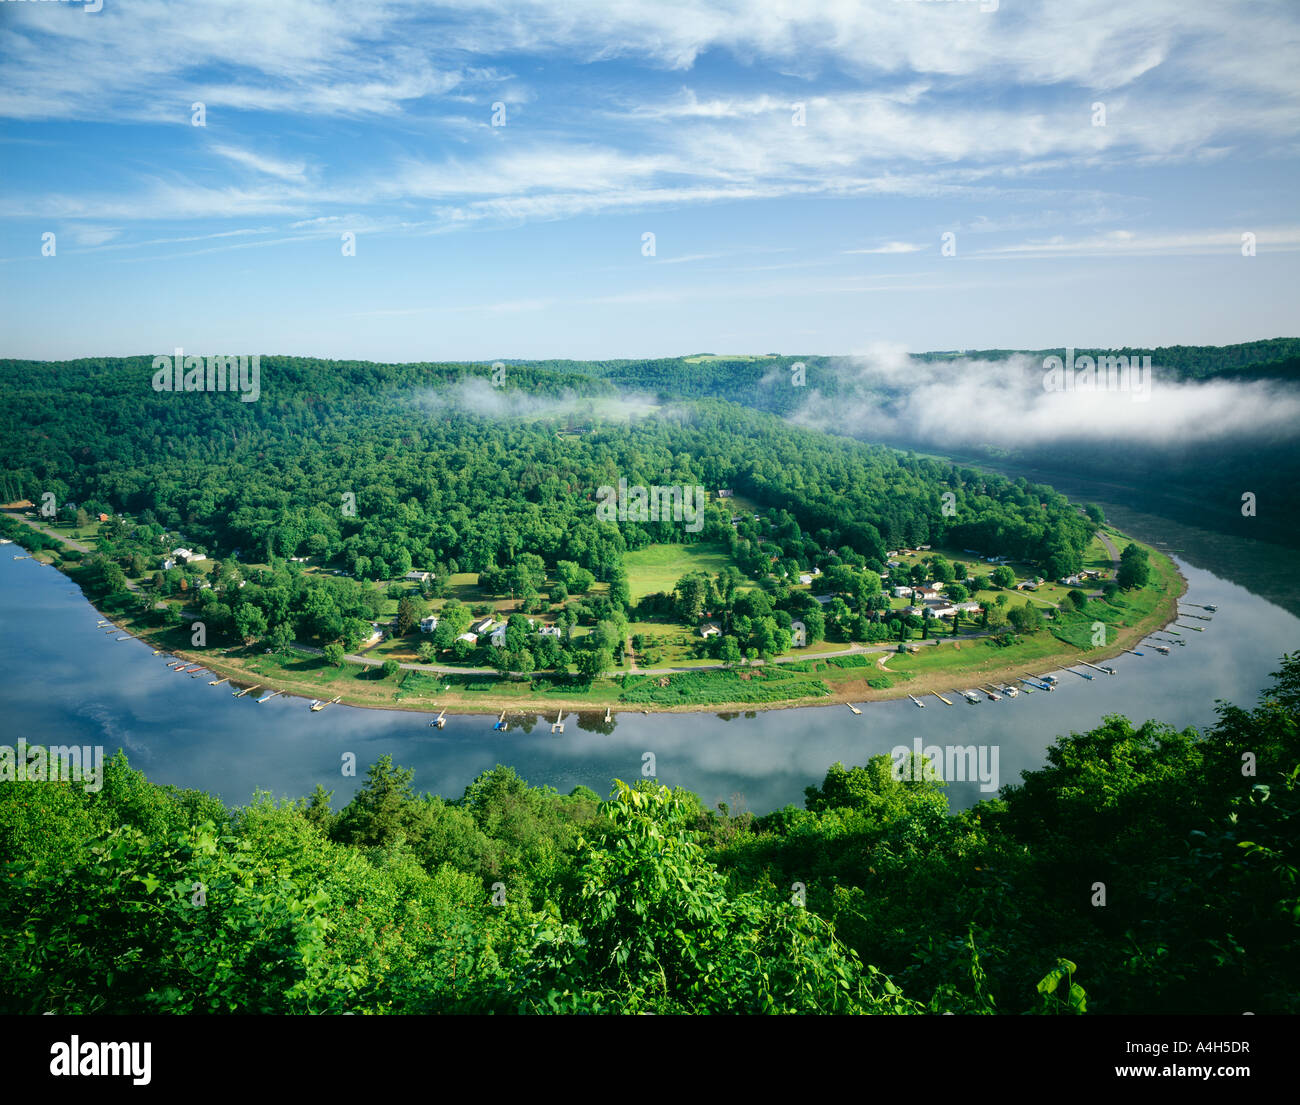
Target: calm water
(65, 682)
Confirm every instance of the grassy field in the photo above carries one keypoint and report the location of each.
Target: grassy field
(659, 567)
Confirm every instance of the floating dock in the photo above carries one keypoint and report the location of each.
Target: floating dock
(1080, 674)
(1134, 651)
(1035, 684)
(246, 690)
(607, 714)
(969, 696)
(558, 726)
(316, 705)
(991, 691)
(501, 725)
(1008, 690)
(852, 707)
(439, 721)
(940, 697)
(1104, 671)
(1193, 628)
(268, 697)
(917, 701)
(217, 682)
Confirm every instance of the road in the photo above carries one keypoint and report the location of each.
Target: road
(1110, 547)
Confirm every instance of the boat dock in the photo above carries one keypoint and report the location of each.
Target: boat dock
(940, 697)
(246, 690)
(268, 697)
(991, 691)
(558, 725)
(852, 707)
(217, 682)
(501, 725)
(439, 721)
(917, 701)
(969, 696)
(1080, 674)
(1104, 671)
(1134, 651)
(1193, 628)
(316, 705)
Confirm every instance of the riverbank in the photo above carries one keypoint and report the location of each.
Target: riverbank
(944, 666)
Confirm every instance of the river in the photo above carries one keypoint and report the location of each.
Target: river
(67, 682)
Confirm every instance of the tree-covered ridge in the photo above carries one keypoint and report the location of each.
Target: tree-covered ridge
(141, 898)
(438, 478)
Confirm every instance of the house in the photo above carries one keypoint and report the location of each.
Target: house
(1026, 585)
(483, 625)
(551, 631)
(168, 564)
(710, 629)
(297, 560)
(1090, 573)
(499, 636)
(823, 599)
(930, 591)
(725, 493)
(183, 554)
(418, 576)
(472, 638)
(922, 548)
(1068, 581)
(429, 624)
(902, 592)
(805, 578)
(103, 517)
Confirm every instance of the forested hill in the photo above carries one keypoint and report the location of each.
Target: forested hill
(448, 469)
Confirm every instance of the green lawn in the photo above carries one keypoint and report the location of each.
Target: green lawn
(659, 567)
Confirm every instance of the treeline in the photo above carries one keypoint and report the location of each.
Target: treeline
(1142, 870)
(379, 469)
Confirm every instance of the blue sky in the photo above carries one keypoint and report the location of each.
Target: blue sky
(627, 117)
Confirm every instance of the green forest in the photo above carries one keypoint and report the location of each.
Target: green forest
(1143, 869)
(373, 471)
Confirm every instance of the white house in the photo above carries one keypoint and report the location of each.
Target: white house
(902, 592)
(418, 576)
(710, 629)
(472, 638)
(183, 554)
(499, 636)
(725, 493)
(168, 564)
(482, 626)
(551, 631)
(429, 624)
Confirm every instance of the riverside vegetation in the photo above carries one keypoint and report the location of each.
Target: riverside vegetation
(313, 505)
(1142, 870)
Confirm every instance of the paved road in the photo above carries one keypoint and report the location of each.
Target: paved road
(1110, 547)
